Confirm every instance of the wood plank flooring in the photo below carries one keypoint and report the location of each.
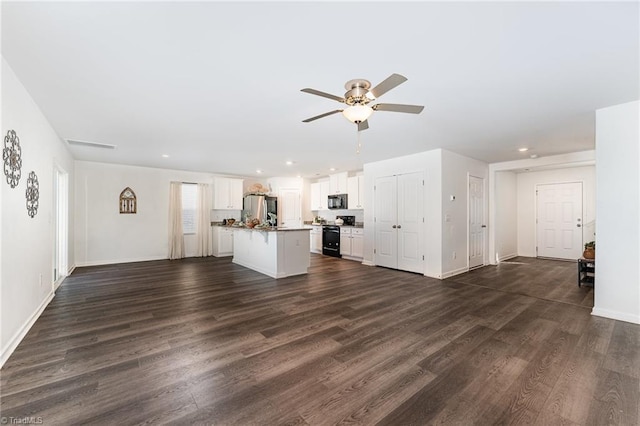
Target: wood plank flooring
(204, 341)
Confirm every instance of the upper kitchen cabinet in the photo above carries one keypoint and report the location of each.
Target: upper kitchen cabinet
(355, 191)
(319, 193)
(338, 183)
(227, 193)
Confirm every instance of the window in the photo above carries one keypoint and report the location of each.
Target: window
(189, 204)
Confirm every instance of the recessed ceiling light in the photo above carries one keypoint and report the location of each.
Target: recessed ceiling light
(332, 169)
(165, 155)
(523, 149)
(534, 156)
(288, 163)
(258, 171)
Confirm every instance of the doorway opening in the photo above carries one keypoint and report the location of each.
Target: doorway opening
(61, 223)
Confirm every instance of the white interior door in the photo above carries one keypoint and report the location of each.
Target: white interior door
(409, 226)
(476, 222)
(399, 222)
(290, 209)
(386, 208)
(559, 220)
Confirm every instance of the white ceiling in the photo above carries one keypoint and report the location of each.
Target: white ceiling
(217, 85)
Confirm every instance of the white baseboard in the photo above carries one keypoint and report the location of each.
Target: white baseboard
(455, 272)
(73, 268)
(114, 261)
(17, 338)
(368, 263)
(616, 315)
(507, 257)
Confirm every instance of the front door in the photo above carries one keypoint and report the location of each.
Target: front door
(559, 220)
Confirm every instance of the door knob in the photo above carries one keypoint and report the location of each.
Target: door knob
(394, 227)
(579, 226)
(399, 226)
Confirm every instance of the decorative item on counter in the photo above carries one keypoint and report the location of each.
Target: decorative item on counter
(589, 250)
(12, 157)
(230, 221)
(339, 221)
(253, 223)
(128, 201)
(32, 194)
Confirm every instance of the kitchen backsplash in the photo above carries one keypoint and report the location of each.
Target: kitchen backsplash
(218, 215)
(330, 215)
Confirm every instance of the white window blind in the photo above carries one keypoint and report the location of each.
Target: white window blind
(189, 203)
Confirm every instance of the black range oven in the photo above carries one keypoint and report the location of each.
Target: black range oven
(331, 240)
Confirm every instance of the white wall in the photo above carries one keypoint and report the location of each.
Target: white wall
(456, 170)
(527, 182)
(26, 271)
(506, 215)
(103, 235)
(617, 286)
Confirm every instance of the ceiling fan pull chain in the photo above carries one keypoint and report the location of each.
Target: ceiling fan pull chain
(359, 144)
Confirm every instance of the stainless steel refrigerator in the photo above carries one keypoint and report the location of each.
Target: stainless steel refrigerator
(261, 207)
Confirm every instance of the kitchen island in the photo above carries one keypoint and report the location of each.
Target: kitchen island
(276, 252)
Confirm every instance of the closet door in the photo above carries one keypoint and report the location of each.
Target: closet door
(399, 222)
(410, 225)
(386, 217)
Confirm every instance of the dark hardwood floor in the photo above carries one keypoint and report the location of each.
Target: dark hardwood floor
(204, 341)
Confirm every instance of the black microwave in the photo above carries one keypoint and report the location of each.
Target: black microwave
(338, 201)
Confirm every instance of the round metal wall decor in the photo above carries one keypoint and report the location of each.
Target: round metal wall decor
(12, 157)
(33, 194)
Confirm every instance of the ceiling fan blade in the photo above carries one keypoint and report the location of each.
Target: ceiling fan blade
(323, 94)
(321, 115)
(392, 81)
(363, 125)
(411, 109)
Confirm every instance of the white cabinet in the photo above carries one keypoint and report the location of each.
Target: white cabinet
(222, 241)
(315, 239)
(338, 183)
(227, 193)
(357, 242)
(355, 191)
(351, 243)
(319, 193)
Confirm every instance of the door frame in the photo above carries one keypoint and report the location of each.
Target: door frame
(60, 261)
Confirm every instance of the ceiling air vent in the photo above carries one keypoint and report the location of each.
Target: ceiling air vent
(73, 142)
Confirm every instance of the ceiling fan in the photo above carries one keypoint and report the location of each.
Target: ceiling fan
(359, 94)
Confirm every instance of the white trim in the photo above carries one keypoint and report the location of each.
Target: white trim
(368, 263)
(114, 261)
(73, 268)
(507, 257)
(458, 271)
(17, 338)
(616, 315)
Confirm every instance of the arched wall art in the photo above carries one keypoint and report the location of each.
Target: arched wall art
(128, 201)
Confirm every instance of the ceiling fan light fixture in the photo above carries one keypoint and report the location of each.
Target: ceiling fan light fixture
(357, 113)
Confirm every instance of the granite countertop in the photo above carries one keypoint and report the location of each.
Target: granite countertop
(269, 229)
(342, 226)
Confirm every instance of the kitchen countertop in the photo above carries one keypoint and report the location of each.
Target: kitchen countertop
(268, 229)
(342, 226)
